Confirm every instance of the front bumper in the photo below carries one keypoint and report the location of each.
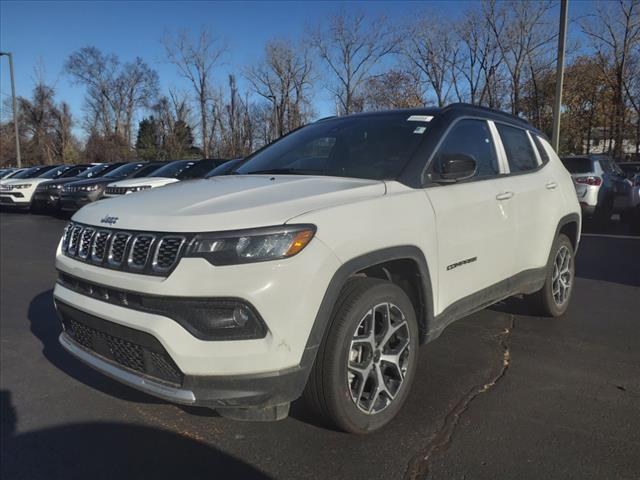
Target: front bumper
(70, 202)
(14, 199)
(49, 200)
(104, 348)
(230, 374)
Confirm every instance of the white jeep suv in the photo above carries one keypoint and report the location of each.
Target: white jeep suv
(320, 266)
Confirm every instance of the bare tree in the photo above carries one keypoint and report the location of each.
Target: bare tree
(521, 31)
(474, 72)
(614, 32)
(195, 61)
(115, 91)
(352, 47)
(392, 89)
(432, 49)
(284, 79)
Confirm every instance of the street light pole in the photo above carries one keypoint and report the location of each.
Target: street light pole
(15, 107)
(562, 41)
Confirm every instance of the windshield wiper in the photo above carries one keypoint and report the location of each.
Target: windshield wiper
(284, 171)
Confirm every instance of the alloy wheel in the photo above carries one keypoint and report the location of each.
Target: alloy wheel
(562, 276)
(378, 358)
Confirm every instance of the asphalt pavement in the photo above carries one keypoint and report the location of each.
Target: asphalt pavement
(501, 394)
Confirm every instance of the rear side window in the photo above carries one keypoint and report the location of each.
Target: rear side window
(541, 150)
(578, 164)
(518, 148)
(472, 138)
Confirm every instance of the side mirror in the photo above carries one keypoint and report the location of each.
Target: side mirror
(456, 166)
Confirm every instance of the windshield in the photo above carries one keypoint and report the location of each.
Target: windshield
(371, 146)
(125, 170)
(94, 171)
(171, 170)
(578, 164)
(226, 168)
(31, 172)
(147, 169)
(56, 172)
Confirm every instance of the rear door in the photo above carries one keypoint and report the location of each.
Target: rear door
(475, 225)
(537, 199)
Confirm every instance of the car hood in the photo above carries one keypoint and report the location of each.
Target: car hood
(228, 202)
(139, 182)
(21, 181)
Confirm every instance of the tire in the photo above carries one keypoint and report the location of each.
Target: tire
(552, 300)
(334, 382)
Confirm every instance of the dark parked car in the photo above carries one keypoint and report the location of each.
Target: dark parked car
(47, 195)
(77, 194)
(631, 169)
(225, 168)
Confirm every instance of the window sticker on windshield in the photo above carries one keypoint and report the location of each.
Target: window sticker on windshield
(420, 118)
(420, 130)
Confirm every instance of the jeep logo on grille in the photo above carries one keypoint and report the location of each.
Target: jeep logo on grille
(109, 220)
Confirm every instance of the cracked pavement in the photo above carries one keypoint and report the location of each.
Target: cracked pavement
(501, 394)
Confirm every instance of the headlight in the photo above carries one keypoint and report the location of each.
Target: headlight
(21, 186)
(89, 188)
(256, 245)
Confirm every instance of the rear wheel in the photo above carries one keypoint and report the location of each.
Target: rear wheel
(553, 298)
(367, 360)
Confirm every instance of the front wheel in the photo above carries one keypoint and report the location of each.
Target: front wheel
(553, 299)
(367, 360)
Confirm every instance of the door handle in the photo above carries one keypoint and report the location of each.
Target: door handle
(551, 185)
(504, 196)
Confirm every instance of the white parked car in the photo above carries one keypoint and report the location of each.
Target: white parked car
(18, 191)
(170, 173)
(321, 264)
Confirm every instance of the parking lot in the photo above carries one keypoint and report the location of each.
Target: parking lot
(501, 394)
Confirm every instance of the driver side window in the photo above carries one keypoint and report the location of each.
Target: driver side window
(470, 138)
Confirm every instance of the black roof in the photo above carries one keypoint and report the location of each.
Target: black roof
(451, 112)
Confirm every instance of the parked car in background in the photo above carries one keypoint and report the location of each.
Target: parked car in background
(47, 195)
(321, 264)
(631, 169)
(601, 186)
(29, 172)
(19, 194)
(16, 192)
(226, 168)
(77, 194)
(4, 172)
(171, 172)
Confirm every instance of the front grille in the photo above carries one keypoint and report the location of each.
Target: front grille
(74, 240)
(142, 252)
(85, 242)
(115, 190)
(168, 250)
(118, 248)
(99, 246)
(129, 348)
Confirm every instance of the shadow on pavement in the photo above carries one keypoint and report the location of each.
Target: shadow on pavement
(110, 451)
(618, 260)
(46, 327)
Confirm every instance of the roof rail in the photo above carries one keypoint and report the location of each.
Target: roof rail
(500, 113)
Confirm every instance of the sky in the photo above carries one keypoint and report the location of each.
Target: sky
(46, 33)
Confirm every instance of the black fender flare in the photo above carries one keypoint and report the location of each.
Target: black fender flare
(349, 268)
